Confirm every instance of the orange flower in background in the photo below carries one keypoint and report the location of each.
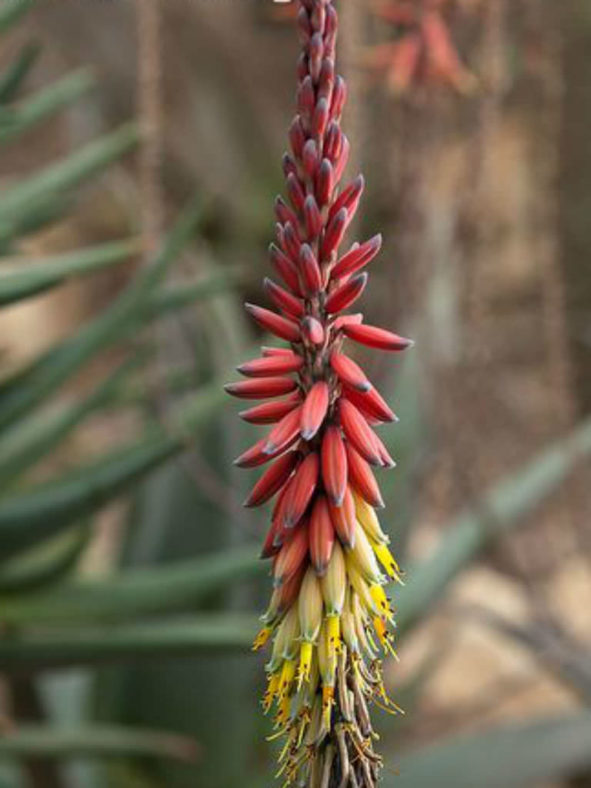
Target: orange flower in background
(329, 617)
(423, 52)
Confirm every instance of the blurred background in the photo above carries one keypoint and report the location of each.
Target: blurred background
(141, 152)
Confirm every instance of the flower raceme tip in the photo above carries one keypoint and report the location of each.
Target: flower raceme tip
(329, 613)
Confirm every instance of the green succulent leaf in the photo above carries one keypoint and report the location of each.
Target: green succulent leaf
(177, 296)
(19, 200)
(94, 741)
(499, 512)
(135, 592)
(46, 565)
(60, 94)
(20, 394)
(24, 277)
(15, 74)
(11, 12)
(42, 512)
(30, 442)
(516, 755)
(30, 652)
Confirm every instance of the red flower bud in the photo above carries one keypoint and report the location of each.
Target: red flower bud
(334, 465)
(376, 338)
(322, 535)
(273, 479)
(270, 321)
(315, 409)
(263, 388)
(300, 492)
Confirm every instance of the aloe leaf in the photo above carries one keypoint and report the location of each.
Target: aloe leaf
(26, 390)
(44, 566)
(17, 71)
(11, 12)
(135, 592)
(94, 741)
(205, 633)
(28, 444)
(515, 755)
(500, 511)
(23, 277)
(157, 305)
(41, 512)
(40, 212)
(177, 296)
(60, 94)
(67, 173)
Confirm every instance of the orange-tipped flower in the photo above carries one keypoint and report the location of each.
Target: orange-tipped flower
(328, 613)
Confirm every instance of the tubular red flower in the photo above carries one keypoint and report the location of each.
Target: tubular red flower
(322, 535)
(273, 479)
(325, 539)
(334, 465)
(315, 409)
(261, 388)
(269, 412)
(267, 367)
(349, 372)
(376, 337)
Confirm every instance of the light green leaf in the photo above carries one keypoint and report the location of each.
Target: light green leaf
(60, 94)
(178, 296)
(508, 757)
(26, 390)
(16, 72)
(24, 277)
(500, 511)
(94, 741)
(11, 11)
(31, 441)
(25, 652)
(136, 592)
(44, 565)
(39, 513)
(94, 157)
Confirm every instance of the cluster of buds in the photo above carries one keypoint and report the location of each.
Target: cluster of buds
(423, 52)
(329, 616)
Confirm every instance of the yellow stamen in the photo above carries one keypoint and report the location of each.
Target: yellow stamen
(379, 597)
(333, 625)
(388, 561)
(271, 692)
(305, 663)
(262, 638)
(287, 675)
(327, 703)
